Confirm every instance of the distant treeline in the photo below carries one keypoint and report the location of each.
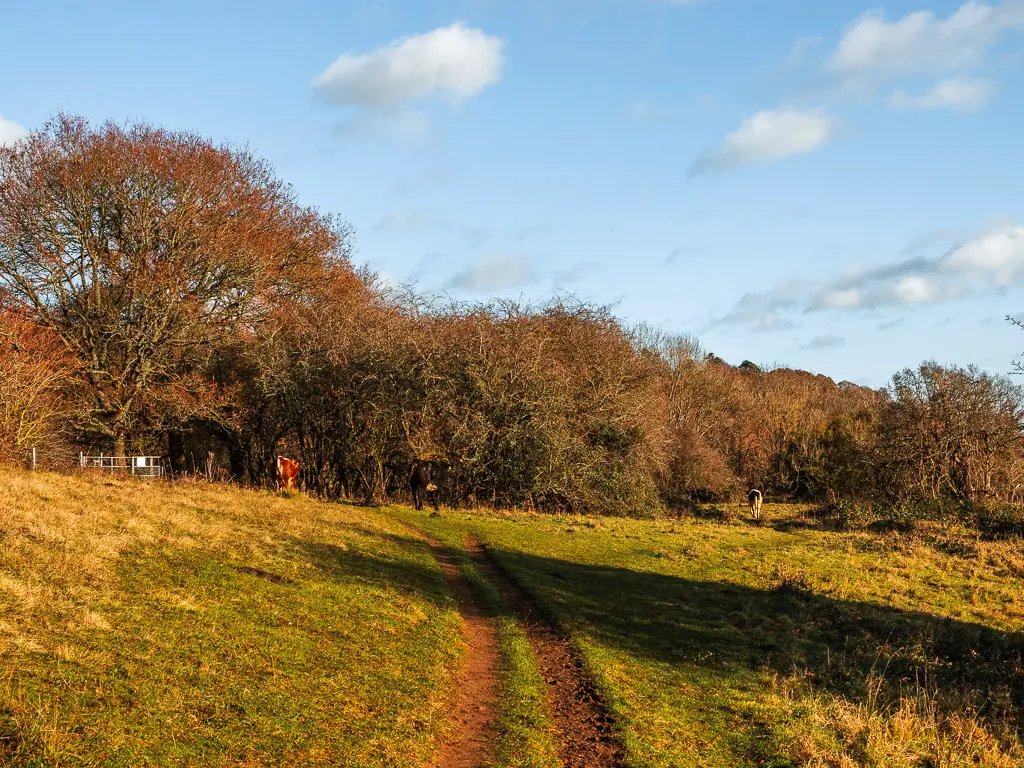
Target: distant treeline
(160, 294)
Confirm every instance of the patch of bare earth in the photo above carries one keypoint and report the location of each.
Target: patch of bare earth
(584, 728)
(469, 744)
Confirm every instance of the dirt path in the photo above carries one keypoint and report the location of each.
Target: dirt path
(469, 745)
(584, 728)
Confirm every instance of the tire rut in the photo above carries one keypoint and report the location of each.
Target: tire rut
(475, 703)
(585, 731)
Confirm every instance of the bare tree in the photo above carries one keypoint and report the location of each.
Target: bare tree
(950, 432)
(142, 249)
(35, 399)
(1018, 365)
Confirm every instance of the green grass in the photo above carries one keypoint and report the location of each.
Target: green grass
(149, 624)
(723, 643)
(525, 729)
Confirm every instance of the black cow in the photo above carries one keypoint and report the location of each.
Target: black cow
(425, 478)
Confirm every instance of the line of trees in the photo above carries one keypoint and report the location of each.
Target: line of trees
(162, 294)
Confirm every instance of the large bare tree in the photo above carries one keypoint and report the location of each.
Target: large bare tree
(143, 249)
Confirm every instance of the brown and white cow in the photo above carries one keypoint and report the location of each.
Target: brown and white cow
(286, 474)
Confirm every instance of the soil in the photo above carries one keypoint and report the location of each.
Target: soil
(584, 728)
(475, 704)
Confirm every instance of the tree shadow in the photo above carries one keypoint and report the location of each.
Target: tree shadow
(378, 568)
(836, 644)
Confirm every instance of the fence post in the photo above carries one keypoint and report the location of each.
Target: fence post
(33, 457)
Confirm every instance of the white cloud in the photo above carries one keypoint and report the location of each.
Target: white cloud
(916, 289)
(873, 49)
(457, 61)
(494, 274)
(769, 135)
(999, 251)
(10, 132)
(983, 265)
(963, 94)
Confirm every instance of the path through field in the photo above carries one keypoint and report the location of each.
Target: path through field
(469, 744)
(584, 729)
(583, 726)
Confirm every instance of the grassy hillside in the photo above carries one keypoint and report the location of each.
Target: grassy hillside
(188, 624)
(728, 644)
(149, 624)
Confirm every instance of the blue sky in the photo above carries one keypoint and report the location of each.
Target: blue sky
(830, 185)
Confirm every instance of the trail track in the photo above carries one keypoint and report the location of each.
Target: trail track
(475, 704)
(584, 728)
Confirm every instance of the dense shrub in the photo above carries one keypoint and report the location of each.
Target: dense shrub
(196, 309)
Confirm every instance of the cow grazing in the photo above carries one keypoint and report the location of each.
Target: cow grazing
(754, 497)
(286, 474)
(424, 478)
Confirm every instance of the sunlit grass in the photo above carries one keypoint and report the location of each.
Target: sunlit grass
(720, 642)
(144, 623)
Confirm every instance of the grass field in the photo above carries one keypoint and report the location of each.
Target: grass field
(149, 624)
(189, 624)
(723, 643)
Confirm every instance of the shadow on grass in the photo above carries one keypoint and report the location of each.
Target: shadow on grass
(837, 644)
(379, 569)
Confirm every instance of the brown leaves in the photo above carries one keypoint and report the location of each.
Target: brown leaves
(142, 249)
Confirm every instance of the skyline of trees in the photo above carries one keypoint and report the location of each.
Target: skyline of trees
(161, 294)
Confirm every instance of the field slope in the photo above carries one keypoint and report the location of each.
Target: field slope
(724, 643)
(191, 624)
(151, 624)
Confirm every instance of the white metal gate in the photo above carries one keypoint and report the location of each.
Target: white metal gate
(141, 466)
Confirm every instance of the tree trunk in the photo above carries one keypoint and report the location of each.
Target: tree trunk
(237, 460)
(176, 452)
(120, 448)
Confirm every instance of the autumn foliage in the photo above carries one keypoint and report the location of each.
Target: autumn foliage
(163, 294)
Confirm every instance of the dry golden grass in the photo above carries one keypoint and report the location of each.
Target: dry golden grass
(150, 623)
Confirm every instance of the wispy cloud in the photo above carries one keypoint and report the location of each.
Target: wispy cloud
(643, 111)
(401, 124)
(768, 135)
(765, 311)
(828, 341)
(10, 132)
(873, 48)
(962, 94)
(678, 254)
(572, 274)
(874, 51)
(494, 273)
(405, 220)
(528, 233)
(986, 264)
